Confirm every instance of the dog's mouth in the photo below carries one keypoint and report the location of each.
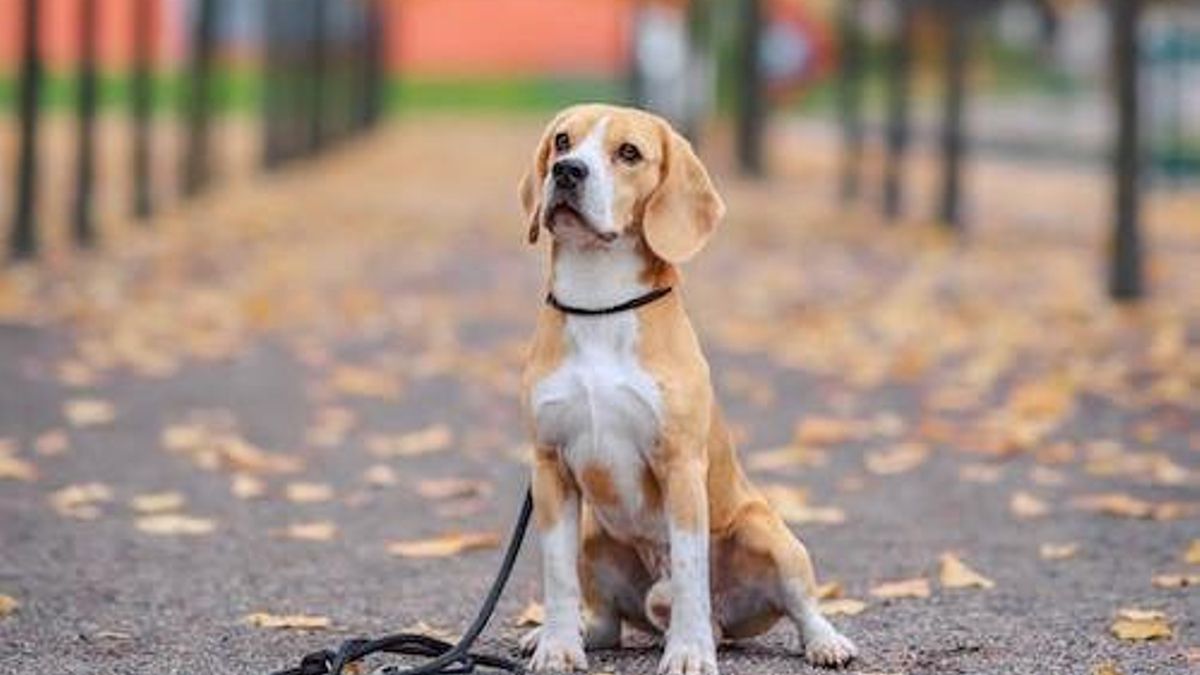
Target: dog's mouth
(564, 219)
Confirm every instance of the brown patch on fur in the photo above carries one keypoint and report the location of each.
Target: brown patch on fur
(651, 492)
(598, 485)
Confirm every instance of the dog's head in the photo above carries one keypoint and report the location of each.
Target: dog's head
(601, 173)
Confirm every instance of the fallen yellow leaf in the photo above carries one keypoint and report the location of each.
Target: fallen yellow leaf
(307, 493)
(1175, 580)
(425, 441)
(287, 621)
(1051, 551)
(1106, 669)
(89, 412)
(380, 475)
(1140, 624)
(1192, 555)
(52, 443)
(15, 468)
(907, 588)
(245, 486)
(829, 591)
(157, 502)
(534, 614)
(175, 524)
(8, 605)
(842, 607)
(364, 382)
(956, 574)
(452, 488)
(1025, 506)
(825, 431)
(900, 459)
(321, 530)
(445, 545)
(1115, 504)
(79, 500)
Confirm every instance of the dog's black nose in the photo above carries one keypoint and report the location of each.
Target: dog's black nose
(568, 173)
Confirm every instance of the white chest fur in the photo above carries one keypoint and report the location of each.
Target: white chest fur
(600, 408)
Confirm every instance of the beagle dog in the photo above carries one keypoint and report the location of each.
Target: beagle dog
(644, 513)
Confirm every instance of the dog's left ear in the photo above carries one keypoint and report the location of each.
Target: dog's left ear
(530, 187)
(684, 210)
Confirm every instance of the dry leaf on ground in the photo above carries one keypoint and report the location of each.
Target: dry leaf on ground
(245, 486)
(1175, 580)
(900, 459)
(842, 607)
(906, 588)
(1025, 506)
(1054, 551)
(15, 468)
(287, 621)
(1139, 624)
(321, 530)
(534, 614)
(1106, 669)
(175, 524)
(1192, 555)
(8, 605)
(52, 443)
(89, 412)
(1115, 504)
(364, 382)
(422, 442)
(157, 502)
(445, 545)
(380, 475)
(956, 574)
(452, 488)
(307, 493)
(825, 431)
(79, 500)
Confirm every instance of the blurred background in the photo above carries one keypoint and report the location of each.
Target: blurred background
(125, 104)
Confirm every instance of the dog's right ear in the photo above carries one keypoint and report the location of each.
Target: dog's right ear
(530, 187)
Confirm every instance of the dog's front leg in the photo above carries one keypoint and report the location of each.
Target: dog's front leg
(691, 648)
(558, 644)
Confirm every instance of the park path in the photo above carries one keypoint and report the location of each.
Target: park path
(295, 402)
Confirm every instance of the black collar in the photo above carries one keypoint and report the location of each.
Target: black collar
(623, 307)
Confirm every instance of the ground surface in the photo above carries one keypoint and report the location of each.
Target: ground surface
(358, 324)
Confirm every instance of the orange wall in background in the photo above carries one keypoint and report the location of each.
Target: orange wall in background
(60, 32)
(509, 37)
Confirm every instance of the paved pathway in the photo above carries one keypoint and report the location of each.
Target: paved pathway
(323, 363)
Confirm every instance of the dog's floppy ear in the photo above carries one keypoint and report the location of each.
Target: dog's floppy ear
(530, 187)
(683, 211)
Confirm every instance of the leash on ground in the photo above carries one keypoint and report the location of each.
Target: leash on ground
(447, 659)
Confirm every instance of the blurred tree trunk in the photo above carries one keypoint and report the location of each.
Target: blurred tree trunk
(23, 237)
(142, 99)
(898, 79)
(751, 105)
(84, 229)
(850, 97)
(1126, 281)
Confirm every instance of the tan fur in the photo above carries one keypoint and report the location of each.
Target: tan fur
(694, 472)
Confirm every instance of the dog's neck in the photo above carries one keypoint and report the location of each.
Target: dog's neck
(603, 276)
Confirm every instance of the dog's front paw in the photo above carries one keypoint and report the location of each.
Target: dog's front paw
(554, 650)
(830, 649)
(688, 658)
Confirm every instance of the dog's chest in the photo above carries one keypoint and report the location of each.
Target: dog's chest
(603, 413)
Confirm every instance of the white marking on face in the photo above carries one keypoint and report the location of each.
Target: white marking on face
(596, 192)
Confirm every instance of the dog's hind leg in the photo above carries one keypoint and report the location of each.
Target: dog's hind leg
(761, 531)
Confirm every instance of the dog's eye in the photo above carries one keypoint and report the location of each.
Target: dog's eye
(562, 142)
(629, 153)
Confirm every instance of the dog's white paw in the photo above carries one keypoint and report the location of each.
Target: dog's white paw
(554, 650)
(688, 658)
(829, 649)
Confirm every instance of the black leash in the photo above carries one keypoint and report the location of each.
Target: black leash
(623, 307)
(447, 659)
